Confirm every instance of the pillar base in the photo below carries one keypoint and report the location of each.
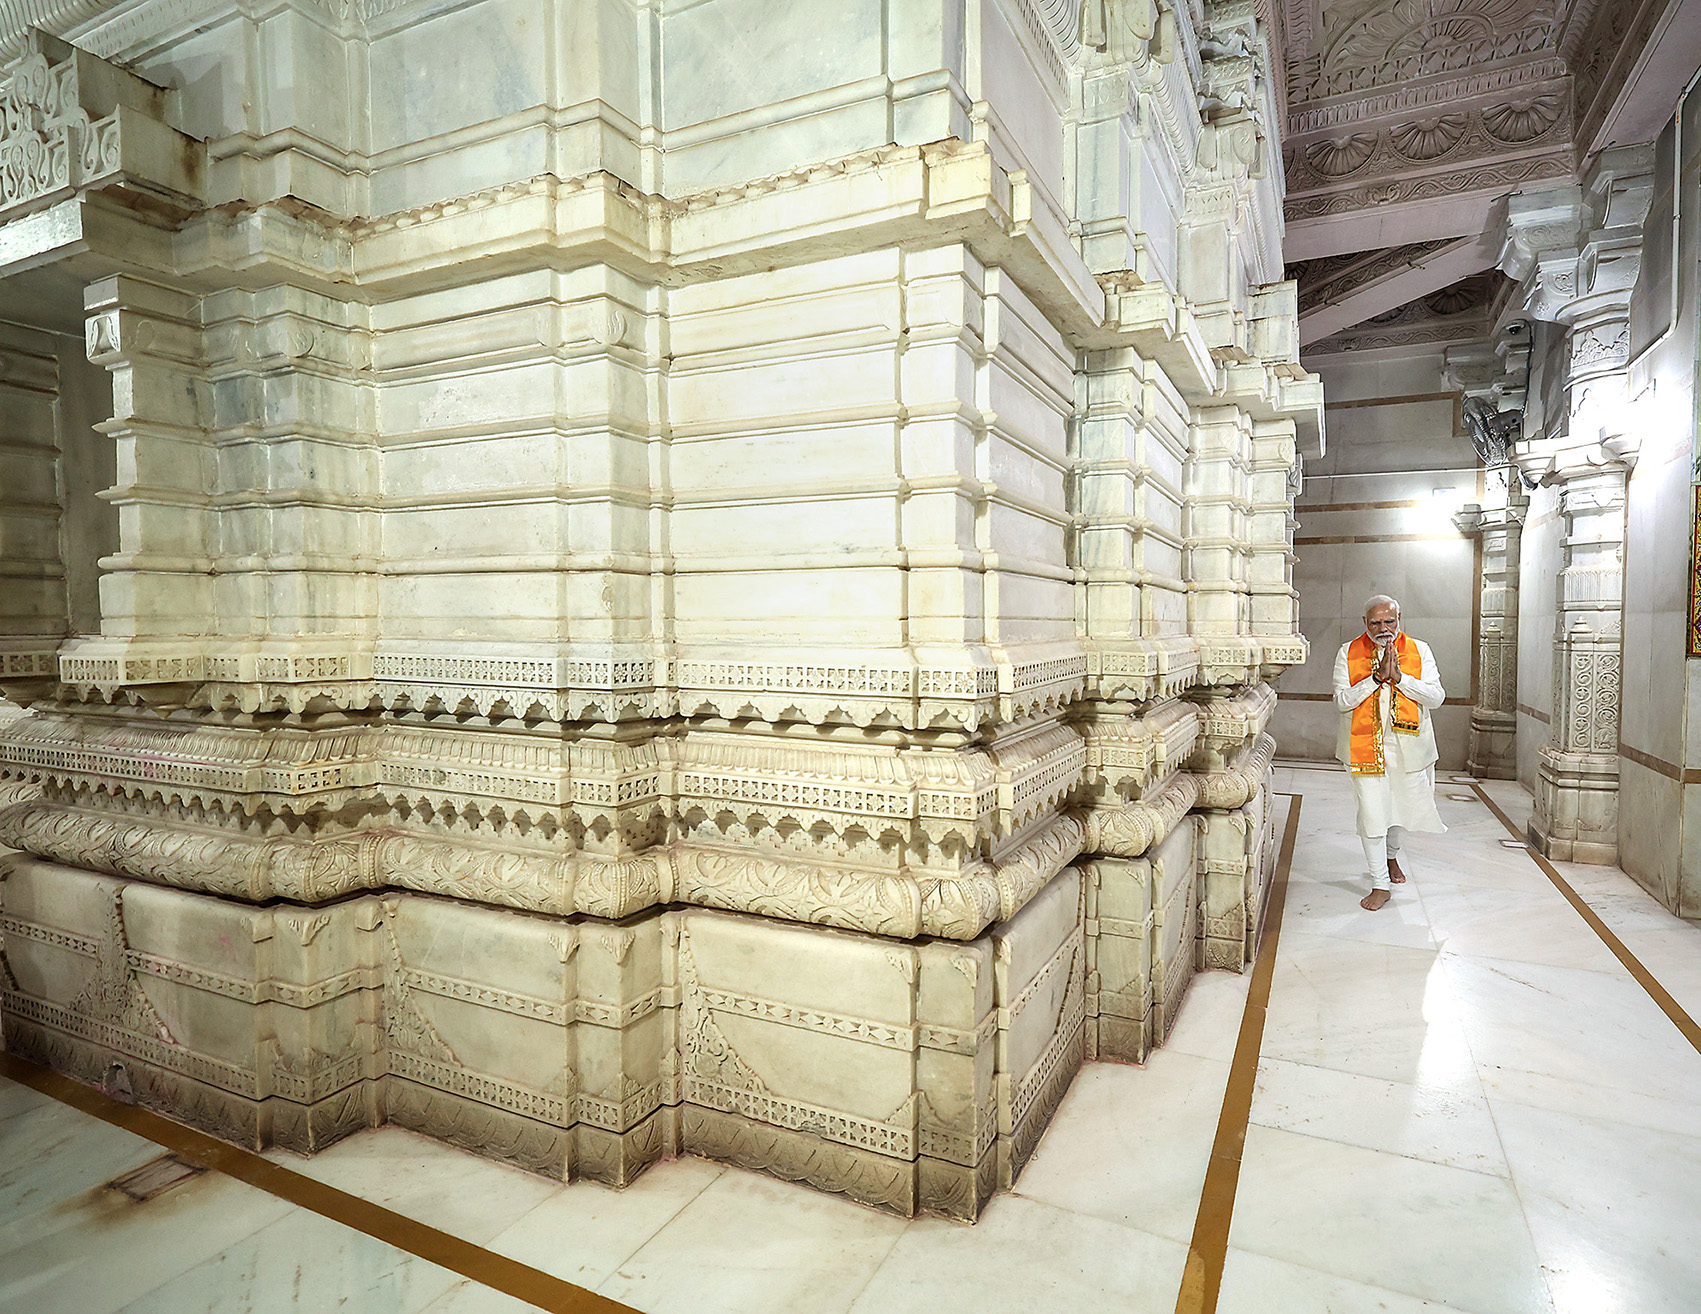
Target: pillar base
(1576, 808)
(1494, 745)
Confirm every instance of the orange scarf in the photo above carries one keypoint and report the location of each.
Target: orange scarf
(1366, 737)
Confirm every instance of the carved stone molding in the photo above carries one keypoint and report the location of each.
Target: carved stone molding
(1414, 147)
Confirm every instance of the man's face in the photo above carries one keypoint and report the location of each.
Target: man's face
(1382, 623)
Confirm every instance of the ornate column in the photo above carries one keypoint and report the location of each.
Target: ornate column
(1494, 717)
(1584, 451)
(1496, 372)
(1576, 812)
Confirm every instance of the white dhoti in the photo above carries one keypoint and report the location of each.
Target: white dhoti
(1402, 798)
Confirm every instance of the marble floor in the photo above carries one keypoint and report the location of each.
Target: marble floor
(1463, 1103)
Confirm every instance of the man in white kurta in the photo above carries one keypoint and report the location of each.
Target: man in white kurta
(1402, 796)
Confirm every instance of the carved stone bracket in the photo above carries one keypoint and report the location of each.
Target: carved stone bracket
(70, 122)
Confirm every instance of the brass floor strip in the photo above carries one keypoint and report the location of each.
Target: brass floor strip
(1632, 964)
(1202, 1279)
(483, 1266)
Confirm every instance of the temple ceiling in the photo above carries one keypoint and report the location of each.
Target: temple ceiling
(1409, 121)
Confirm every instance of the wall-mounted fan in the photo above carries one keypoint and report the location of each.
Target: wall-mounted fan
(1492, 432)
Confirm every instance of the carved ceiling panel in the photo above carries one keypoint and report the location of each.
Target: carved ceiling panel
(1394, 101)
(1366, 45)
(1409, 120)
(1329, 278)
(1461, 312)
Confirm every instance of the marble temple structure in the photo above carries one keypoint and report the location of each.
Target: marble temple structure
(604, 579)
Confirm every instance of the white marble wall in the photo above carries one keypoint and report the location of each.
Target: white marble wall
(1540, 550)
(1659, 812)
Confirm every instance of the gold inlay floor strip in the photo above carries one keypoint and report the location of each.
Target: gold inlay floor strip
(1202, 1279)
(506, 1275)
(1632, 964)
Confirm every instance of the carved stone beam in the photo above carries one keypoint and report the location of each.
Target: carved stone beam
(1404, 278)
(1495, 369)
(1540, 241)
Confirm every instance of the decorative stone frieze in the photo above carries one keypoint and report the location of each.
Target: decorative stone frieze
(72, 124)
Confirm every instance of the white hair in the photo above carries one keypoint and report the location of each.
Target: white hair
(1380, 600)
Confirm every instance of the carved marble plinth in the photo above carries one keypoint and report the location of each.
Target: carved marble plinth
(1494, 745)
(906, 1075)
(1575, 818)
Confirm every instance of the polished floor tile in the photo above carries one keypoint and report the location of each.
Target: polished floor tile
(749, 1243)
(469, 1297)
(52, 1153)
(1209, 1022)
(1445, 1124)
(1131, 1145)
(1024, 1257)
(1510, 924)
(1613, 1209)
(583, 1232)
(455, 1192)
(301, 1262)
(96, 1250)
(1593, 1028)
(1258, 1284)
(1447, 1234)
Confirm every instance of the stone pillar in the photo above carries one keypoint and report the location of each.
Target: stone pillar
(1494, 717)
(1496, 372)
(1577, 253)
(1576, 806)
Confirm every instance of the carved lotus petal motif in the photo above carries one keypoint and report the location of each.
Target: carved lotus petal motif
(1453, 300)
(1340, 156)
(1522, 122)
(1428, 139)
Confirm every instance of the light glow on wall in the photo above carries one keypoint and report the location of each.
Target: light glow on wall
(1444, 503)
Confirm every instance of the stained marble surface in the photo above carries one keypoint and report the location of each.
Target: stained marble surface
(1464, 1103)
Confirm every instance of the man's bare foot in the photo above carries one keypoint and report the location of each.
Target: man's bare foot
(1374, 900)
(1395, 875)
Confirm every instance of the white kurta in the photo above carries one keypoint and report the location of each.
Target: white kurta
(1404, 795)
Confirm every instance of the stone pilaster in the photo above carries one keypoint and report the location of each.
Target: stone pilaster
(33, 615)
(1576, 807)
(1496, 371)
(1494, 717)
